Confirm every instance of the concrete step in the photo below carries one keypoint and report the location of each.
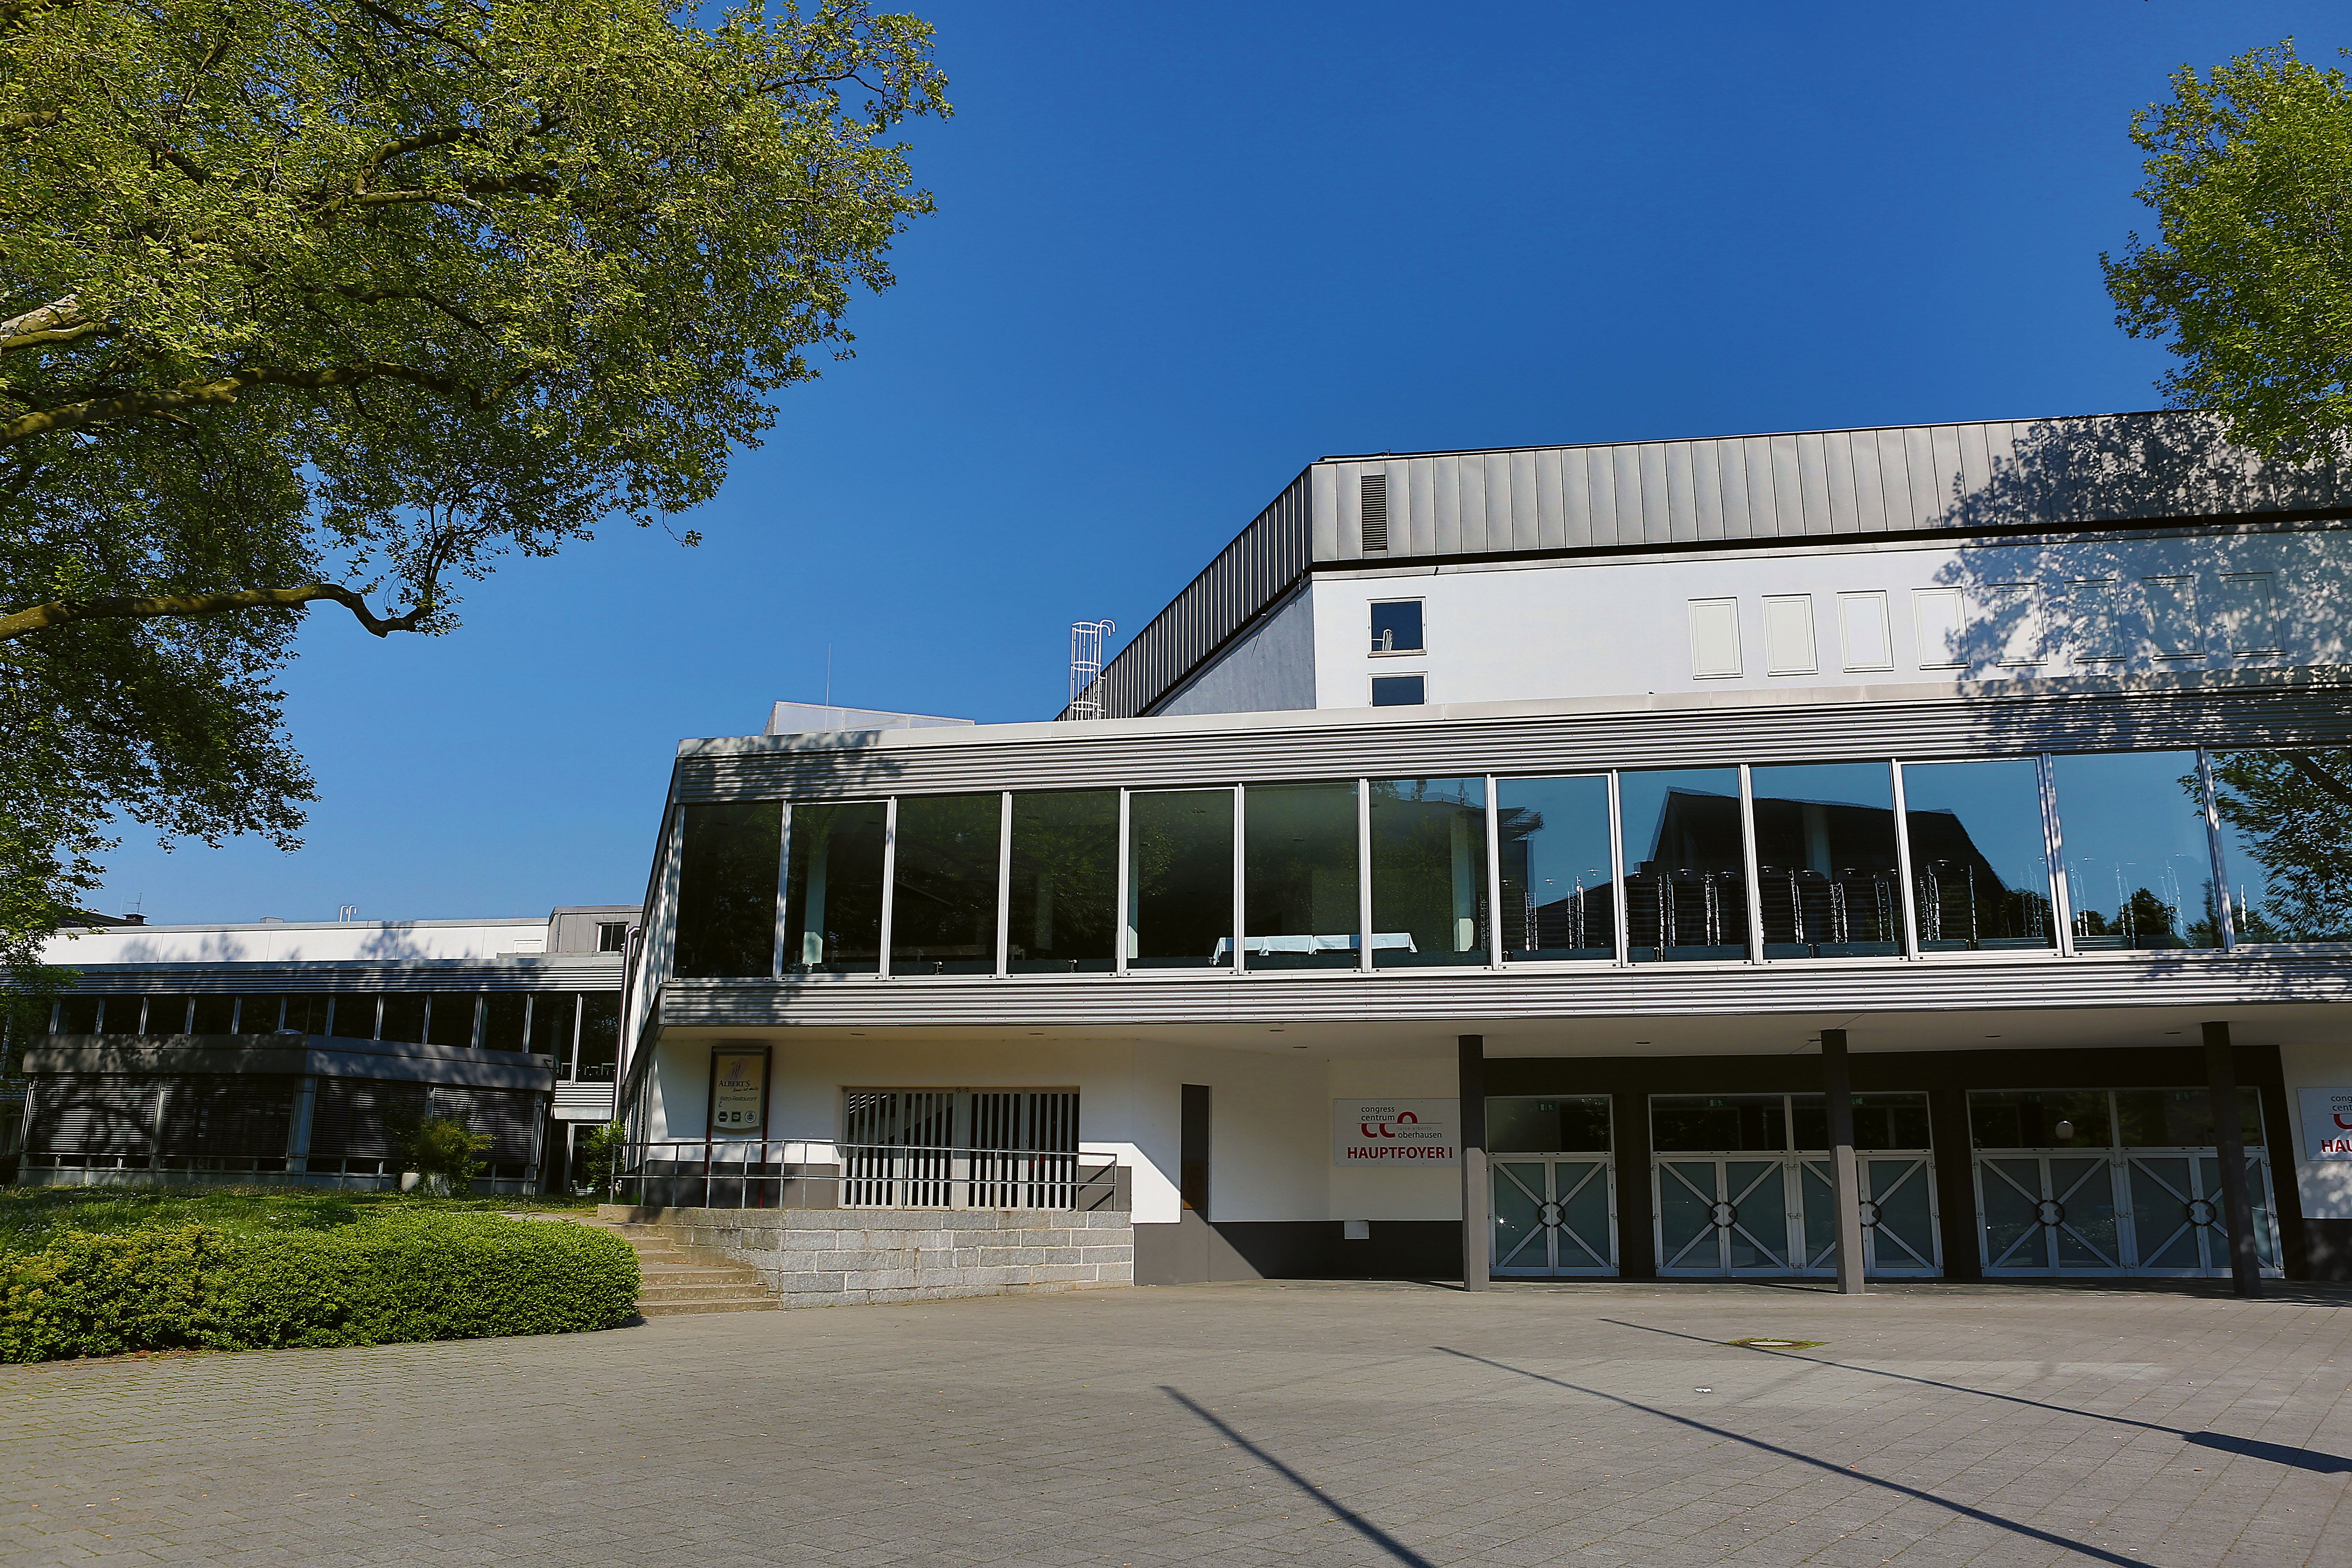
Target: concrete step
(766, 1303)
(727, 1290)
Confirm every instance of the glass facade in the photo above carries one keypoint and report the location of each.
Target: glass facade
(1548, 1124)
(727, 889)
(2139, 866)
(1464, 869)
(452, 1023)
(403, 1018)
(1299, 875)
(943, 911)
(1064, 884)
(1979, 863)
(2286, 839)
(833, 889)
(1179, 879)
(1686, 865)
(1559, 889)
(1827, 875)
(1429, 872)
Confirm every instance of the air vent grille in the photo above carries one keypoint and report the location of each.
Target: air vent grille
(1375, 491)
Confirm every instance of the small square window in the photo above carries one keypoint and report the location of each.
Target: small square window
(1396, 690)
(612, 936)
(1396, 627)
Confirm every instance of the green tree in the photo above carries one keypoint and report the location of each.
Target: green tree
(2293, 815)
(2249, 277)
(308, 301)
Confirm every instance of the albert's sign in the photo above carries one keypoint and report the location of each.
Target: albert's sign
(1398, 1133)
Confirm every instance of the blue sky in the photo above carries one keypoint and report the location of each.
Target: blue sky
(1181, 252)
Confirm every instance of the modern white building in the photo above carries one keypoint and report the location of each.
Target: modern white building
(270, 1052)
(1688, 858)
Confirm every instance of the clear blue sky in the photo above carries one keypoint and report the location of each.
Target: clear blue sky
(1181, 252)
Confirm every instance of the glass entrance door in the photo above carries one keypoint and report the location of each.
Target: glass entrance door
(2176, 1223)
(1554, 1217)
(1900, 1237)
(1725, 1216)
(1552, 1186)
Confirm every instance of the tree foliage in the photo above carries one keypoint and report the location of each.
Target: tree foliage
(2293, 814)
(2249, 277)
(341, 301)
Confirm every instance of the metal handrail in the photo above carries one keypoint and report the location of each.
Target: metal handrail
(810, 1173)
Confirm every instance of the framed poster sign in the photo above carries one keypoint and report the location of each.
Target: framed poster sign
(739, 1090)
(2326, 1125)
(1400, 1134)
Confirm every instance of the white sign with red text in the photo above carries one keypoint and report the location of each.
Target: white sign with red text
(1400, 1134)
(2327, 1123)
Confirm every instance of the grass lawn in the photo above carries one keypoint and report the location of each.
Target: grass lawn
(29, 1216)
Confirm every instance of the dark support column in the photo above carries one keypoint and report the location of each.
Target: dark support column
(2229, 1140)
(1474, 1162)
(1956, 1191)
(1845, 1176)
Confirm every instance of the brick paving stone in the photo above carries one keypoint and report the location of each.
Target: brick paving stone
(1281, 1425)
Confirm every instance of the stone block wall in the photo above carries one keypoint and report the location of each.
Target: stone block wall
(821, 1258)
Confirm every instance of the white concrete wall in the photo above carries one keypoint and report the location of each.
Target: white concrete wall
(290, 942)
(1270, 1113)
(1271, 669)
(2326, 1185)
(1524, 631)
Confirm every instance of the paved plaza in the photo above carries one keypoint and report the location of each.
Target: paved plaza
(1237, 1425)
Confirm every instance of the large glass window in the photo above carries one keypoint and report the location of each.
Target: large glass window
(404, 1018)
(504, 1014)
(259, 1014)
(1718, 1123)
(727, 890)
(1429, 871)
(1880, 1122)
(2140, 867)
(2040, 1119)
(943, 911)
(212, 1015)
(554, 1019)
(2286, 837)
(600, 1036)
(1978, 856)
(1180, 879)
(452, 1023)
(1558, 899)
(1064, 884)
(1299, 875)
(351, 1018)
(833, 890)
(166, 1015)
(2180, 1118)
(1548, 1124)
(1828, 881)
(1686, 867)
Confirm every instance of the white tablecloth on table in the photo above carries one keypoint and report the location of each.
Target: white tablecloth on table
(1266, 944)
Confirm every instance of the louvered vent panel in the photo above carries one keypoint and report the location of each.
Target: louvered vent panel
(1375, 491)
(92, 1113)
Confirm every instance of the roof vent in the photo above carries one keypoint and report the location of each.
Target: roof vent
(1375, 492)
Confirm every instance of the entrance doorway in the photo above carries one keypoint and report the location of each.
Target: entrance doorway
(2086, 1182)
(1742, 1186)
(1553, 1187)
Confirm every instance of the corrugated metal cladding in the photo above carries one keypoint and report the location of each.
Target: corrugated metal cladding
(1826, 484)
(1524, 991)
(1247, 575)
(1091, 756)
(2000, 475)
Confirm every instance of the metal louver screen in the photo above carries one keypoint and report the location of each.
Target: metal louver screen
(233, 1117)
(92, 1113)
(347, 1118)
(1375, 495)
(504, 1114)
(1014, 1149)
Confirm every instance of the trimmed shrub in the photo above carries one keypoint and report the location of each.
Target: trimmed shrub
(403, 1277)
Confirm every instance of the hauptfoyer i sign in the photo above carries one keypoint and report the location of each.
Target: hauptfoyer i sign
(2327, 1123)
(1399, 1132)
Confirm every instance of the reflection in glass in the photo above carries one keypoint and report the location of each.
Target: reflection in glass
(2180, 1118)
(555, 1017)
(1551, 1124)
(2286, 837)
(259, 1014)
(1180, 879)
(1429, 871)
(2039, 1119)
(1064, 882)
(166, 1016)
(1980, 867)
(1718, 1123)
(2140, 867)
(1299, 875)
(503, 1014)
(1686, 868)
(351, 1018)
(1557, 900)
(943, 913)
(1880, 1122)
(1827, 880)
(833, 890)
(727, 890)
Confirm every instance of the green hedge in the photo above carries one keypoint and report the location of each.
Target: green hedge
(398, 1278)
